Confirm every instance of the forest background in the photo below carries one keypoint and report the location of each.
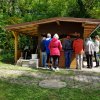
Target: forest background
(20, 11)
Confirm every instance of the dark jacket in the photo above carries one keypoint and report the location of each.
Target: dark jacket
(42, 46)
(67, 45)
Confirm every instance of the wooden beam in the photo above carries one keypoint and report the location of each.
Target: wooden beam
(32, 33)
(90, 27)
(16, 45)
(25, 29)
(58, 23)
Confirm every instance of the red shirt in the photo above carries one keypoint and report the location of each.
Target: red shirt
(78, 46)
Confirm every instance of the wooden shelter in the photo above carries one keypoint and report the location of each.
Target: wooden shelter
(60, 25)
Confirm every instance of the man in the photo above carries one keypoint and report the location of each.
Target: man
(96, 52)
(67, 47)
(78, 48)
(47, 42)
(43, 50)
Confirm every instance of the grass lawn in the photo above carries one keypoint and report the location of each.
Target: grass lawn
(10, 91)
(16, 91)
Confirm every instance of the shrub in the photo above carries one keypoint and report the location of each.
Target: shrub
(7, 57)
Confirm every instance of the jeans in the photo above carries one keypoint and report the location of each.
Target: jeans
(89, 60)
(79, 61)
(55, 62)
(44, 58)
(96, 56)
(68, 56)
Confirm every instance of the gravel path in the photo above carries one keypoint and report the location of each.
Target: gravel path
(78, 79)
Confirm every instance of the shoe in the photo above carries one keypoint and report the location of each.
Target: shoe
(97, 66)
(67, 68)
(57, 69)
(89, 67)
(53, 68)
(44, 68)
(47, 68)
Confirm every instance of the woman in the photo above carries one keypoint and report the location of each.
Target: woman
(89, 51)
(55, 46)
(43, 52)
(96, 52)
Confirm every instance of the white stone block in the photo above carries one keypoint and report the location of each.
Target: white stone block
(34, 56)
(34, 63)
(25, 63)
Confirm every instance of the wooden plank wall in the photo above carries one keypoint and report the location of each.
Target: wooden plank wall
(88, 28)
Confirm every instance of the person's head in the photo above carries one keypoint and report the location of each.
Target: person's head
(78, 35)
(43, 38)
(75, 33)
(48, 35)
(56, 36)
(97, 37)
(90, 39)
(68, 36)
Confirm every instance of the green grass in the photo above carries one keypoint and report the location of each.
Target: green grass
(25, 87)
(14, 67)
(10, 91)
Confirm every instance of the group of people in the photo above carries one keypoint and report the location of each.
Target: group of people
(51, 51)
(51, 47)
(92, 49)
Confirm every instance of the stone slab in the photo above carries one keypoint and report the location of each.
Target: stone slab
(52, 83)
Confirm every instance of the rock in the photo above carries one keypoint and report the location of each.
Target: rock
(52, 83)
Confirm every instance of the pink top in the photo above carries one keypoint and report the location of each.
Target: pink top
(55, 46)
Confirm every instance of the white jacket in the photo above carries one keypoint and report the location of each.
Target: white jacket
(89, 47)
(96, 44)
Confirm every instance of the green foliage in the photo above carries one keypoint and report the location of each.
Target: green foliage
(18, 11)
(7, 56)
(23, 41)
(95, 12)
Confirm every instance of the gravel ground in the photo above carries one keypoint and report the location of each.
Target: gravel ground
(78, 79)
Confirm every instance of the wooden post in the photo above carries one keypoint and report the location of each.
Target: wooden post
(16, 45)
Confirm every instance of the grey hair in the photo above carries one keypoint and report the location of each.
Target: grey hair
(49, 35)
(88, 39)
(97, 36)
(56, 36)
